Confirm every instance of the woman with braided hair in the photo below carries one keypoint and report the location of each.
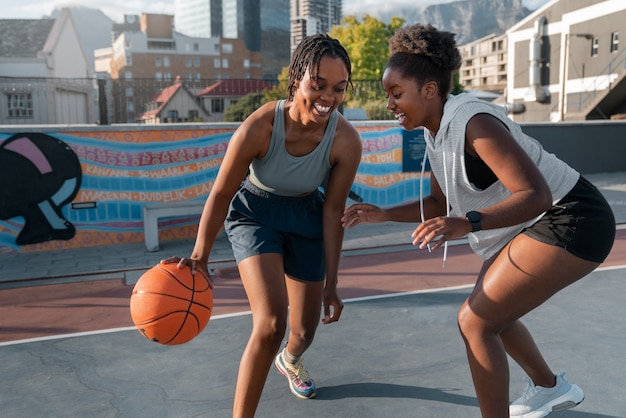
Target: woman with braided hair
(285, 233)
(537, 223)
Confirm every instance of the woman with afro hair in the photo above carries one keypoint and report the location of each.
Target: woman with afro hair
(537, 223)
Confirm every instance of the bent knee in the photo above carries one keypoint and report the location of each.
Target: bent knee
(270, 330)
(472, 325)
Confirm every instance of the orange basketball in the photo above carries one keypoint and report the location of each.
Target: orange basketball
(170, 305)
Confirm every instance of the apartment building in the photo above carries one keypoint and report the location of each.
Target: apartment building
(142, 63)
(566, 62)
(309, 17)
(484, 64)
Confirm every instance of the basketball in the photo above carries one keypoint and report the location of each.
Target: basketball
(170, 305)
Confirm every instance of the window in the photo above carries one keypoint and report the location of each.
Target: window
(188, 62)
(128, 75)
(157, 61)
(614, 41)
(595, 47)
(20, 105)
(198, 76)
(196, 62)
(227, 48)
(217, 105)
(196, 46)
(166, 61)
(246, 63)
(167, 76)
(224, 62)
(158, 76)
(217, 63)
(130, 106)
(193, 115)
(128, 59)
(129, 92)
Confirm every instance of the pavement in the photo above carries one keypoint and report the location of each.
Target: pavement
(68, 347)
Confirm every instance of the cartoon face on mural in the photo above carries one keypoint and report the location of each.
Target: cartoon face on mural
(39, 174)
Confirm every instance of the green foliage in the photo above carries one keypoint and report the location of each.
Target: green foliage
(280, 90)
(457, 87)
(377, 110)
(238, 112)
(367, 43)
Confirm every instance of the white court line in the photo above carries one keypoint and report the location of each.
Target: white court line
(232, 315)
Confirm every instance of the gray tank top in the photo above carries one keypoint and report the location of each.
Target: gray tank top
(281, 173)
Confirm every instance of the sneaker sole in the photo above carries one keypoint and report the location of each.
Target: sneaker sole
(558, 404)
(293, 390)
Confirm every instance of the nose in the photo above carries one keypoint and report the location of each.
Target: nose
(390, 105)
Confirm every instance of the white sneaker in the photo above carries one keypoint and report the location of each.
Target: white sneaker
(538, 401)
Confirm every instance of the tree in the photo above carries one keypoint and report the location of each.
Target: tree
(367, 43)
(238, 112)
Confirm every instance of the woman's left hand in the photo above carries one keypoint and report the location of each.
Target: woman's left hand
(437, 231)
(332, 306)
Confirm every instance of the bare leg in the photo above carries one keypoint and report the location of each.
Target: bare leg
(305, 306)
(521, 277)
(264, 281)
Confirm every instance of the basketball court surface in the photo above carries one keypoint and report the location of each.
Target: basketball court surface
(68, 347)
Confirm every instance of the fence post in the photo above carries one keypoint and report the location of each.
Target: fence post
(102, 102)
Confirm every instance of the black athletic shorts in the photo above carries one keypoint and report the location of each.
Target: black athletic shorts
(260, 222)
(582, 223)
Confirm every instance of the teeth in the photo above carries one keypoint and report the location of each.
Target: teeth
(322, 109)
(399, 115)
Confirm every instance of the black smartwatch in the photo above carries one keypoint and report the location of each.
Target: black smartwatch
(474, 218)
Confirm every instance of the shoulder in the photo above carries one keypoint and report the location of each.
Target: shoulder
(347, 139)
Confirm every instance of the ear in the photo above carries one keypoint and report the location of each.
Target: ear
(430, 89)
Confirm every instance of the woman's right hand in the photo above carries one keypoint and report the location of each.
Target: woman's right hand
(362, 213)
(196, 266)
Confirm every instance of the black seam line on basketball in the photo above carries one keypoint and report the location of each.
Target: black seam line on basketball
(188, 313)
(168, 314)
(143, 292)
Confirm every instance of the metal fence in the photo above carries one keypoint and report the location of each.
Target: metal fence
(65, 101)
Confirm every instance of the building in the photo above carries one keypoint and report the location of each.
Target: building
(309, 17)
(221, 95)
(566, 62)
(199, 18)
(484, 64)
(142, 63)
(262, 24)
(44, 74)
(174, 104)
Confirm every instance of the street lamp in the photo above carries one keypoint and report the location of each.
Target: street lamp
(565, 70)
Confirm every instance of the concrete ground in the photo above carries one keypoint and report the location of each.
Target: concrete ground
(69, 349)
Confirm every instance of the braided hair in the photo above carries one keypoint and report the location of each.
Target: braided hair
(424, 53)
(308, 55)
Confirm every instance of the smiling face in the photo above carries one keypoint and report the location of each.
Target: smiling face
(319, 94)
(412, 104)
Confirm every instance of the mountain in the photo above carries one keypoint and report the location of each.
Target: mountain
(469, 19)
(474, 19)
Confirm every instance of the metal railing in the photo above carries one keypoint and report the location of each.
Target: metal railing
(67, 101)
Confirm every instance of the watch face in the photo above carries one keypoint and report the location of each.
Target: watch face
(473, 216)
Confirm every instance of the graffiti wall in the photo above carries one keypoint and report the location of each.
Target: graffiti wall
(88, 187)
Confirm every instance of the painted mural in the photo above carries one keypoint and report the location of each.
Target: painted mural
(39, 175)
(93, 188)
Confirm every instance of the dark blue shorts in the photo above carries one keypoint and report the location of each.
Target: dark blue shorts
(259, 222)
(582, 223)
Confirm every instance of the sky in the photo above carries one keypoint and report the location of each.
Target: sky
(116, 9)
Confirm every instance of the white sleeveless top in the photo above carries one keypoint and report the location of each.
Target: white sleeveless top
(446, 153)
